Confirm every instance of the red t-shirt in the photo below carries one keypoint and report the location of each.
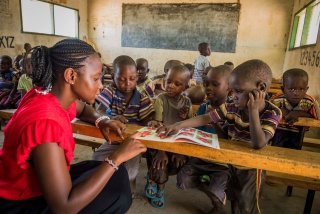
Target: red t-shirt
(38, 119)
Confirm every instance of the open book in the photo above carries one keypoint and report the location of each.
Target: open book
(188, 135)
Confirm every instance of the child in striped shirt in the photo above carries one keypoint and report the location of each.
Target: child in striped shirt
(124, 103)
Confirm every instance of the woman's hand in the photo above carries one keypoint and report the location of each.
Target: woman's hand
(114, 125)
(160, 160)
(120, 118)
(128, 149)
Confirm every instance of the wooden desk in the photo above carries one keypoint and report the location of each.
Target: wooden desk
(294, 162)
(6, 114)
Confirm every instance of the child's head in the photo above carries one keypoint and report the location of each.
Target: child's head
(125, 74)
(204, 49)
(190, 68)
(216, 83)
(28, 67)
(16, 61)
(142, 69)
(70, 65)
(177, 80)
(5, 63)
(27, 47)
(247, 77)
(295, 85)
(196, 94)
(170, 64)
(230, 64)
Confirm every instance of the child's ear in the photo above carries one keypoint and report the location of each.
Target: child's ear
(282, 89)
(112, 76)
(70, 75)
(148, 70)
(262, 86)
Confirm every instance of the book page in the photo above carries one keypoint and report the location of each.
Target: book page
(187, 135)
(149, 133)
(198, 137)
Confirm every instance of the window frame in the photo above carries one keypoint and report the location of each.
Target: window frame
(305, 31)
(52, 21)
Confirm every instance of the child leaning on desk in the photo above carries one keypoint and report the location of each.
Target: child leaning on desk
(170, 107)
(127, 105)
(216, 85)
(250, 118)
(294, 103)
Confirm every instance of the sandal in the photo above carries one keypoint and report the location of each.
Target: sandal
(150, 187)
(154, 201)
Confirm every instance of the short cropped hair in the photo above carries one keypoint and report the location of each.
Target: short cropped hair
(202, 46)
(8, 58)
(122, 60)
(143, 61)
(294, 72)
(182, 70)
(255, 71)
(229, 63)
(171, 63)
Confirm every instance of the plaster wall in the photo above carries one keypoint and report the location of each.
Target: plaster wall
(10, 26)
(299, 58)
(262, 33)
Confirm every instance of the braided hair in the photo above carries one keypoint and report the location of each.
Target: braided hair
(48, 62)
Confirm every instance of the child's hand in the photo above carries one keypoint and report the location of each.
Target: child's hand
(184, 111)
(155, 124)
(292, 117)
(120, 118)
(178, 159)
(169, 130)
(161, 160)
(256, 100)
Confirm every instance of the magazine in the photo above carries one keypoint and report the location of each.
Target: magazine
(188, 135)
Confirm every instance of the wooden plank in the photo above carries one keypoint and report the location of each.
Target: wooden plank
(88, 140)
(311, 142)
(274, 91)
(293, 180)
(304, 121)
(276, 85)
(6, 113)
(294, 162)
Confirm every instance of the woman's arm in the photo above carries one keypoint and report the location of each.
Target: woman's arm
(55, 181)
(88, 114)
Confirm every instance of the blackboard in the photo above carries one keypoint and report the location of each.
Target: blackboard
(180, 26)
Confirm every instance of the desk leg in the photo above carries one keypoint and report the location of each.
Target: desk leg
(309, 202)
(302, 131)
(289, 191)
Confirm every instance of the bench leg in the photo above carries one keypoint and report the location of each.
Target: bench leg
(309, 202)
(289, 191)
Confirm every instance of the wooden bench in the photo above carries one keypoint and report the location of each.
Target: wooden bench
(296, 181)
(311, 142)
(85, 140)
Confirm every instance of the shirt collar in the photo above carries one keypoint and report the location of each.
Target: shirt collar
(135, 100)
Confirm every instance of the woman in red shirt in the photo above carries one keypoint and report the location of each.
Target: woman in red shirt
(35, 171)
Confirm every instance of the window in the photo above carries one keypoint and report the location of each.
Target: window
(47, 18)
(306, 25)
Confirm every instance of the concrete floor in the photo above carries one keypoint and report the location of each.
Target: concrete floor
(193, 201)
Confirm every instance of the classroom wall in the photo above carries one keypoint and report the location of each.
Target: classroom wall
(262, 33)
(10, 27)
(293, 59)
